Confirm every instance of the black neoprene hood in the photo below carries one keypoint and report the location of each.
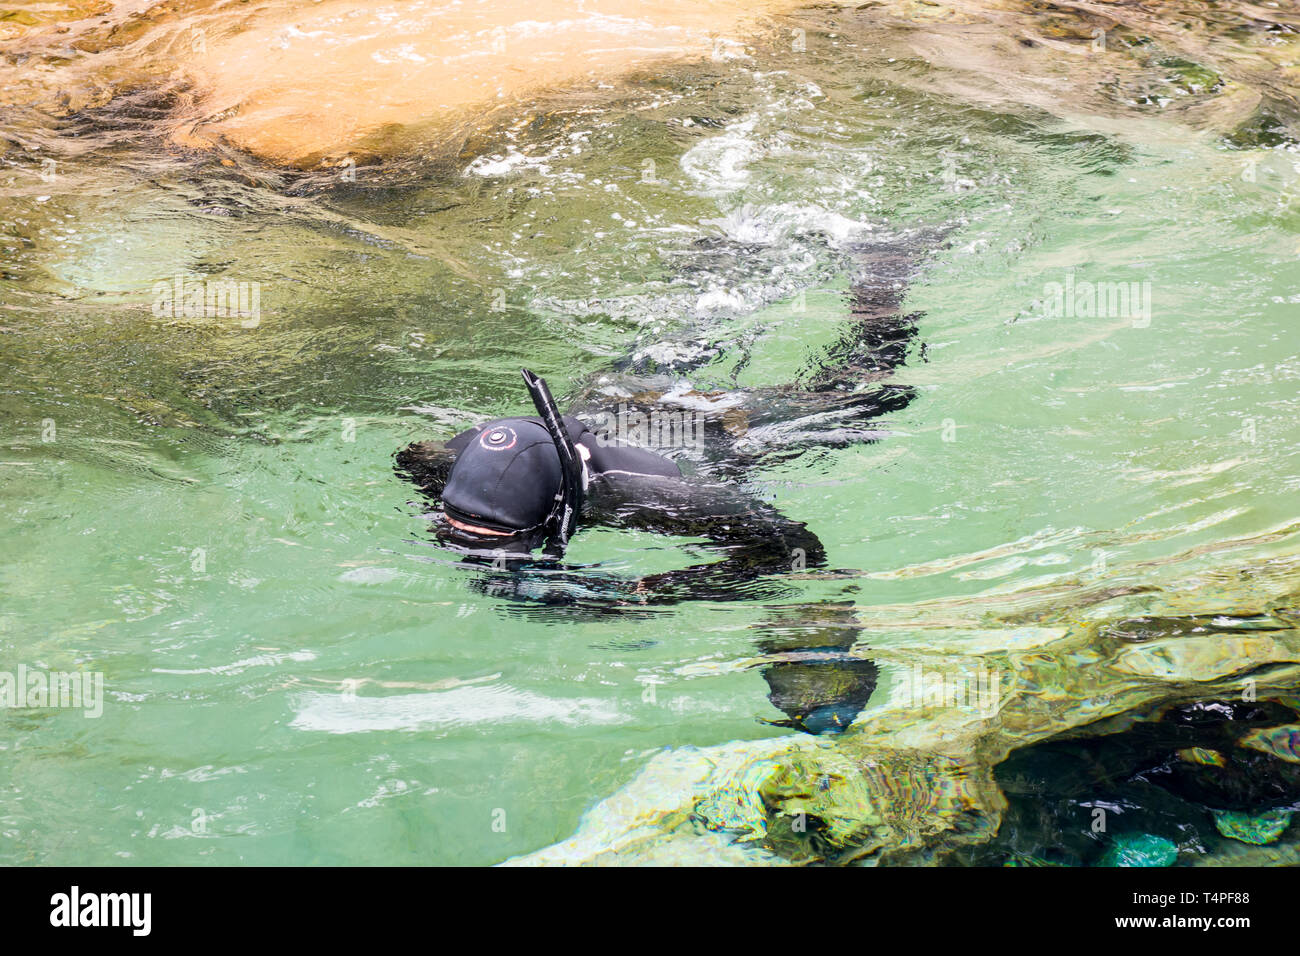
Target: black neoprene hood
(505, 477)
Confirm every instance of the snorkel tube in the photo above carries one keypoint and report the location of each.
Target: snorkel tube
(563, 519)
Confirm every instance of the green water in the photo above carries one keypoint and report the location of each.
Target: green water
(207, 514)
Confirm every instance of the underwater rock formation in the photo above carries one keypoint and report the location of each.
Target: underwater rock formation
(913, 780)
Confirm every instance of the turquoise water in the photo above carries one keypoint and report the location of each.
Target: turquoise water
(294, 674)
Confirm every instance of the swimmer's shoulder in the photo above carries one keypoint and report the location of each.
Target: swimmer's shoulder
(608, 459)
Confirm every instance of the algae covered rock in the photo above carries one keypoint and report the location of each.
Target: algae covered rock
(1203, 756)
(1140, 849)
(1258, 829)
(912, 780)
(884, 804)
(1280, 742)
(1188, 77)
(1031, 861)
(1262, 130)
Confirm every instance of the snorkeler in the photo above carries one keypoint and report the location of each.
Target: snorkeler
(512, 486)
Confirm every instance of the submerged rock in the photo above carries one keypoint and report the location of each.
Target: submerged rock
(1245, 781)
(689, 806)
(1262, 130)
(1030, 861)
(1281, 742)
(1203, 756)
(1189, 77)
(912, 780)
(1258, 829)
(1140, 849)
(887, 804)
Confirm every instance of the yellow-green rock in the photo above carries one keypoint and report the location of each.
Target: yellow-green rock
(1203, 756)
(1282, 742)
(1257, 830)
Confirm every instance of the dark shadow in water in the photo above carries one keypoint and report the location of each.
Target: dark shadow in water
(1163, 781)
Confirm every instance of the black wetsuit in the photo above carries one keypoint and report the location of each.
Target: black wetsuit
(633, 488)
(818, 683)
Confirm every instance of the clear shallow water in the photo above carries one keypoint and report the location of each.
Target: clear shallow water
(294, 674)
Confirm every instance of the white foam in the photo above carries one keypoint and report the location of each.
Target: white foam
(774, 224)
(499, 165)
(718, 165)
